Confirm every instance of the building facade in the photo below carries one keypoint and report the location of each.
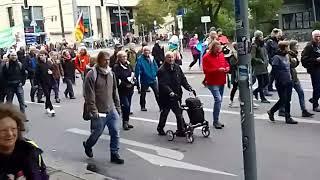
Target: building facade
(297, 18)
(39, 20)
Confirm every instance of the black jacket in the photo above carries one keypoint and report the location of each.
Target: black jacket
(69, 69)
(25, 161)
(43, 77)
(122, 73)
(14, 73)
(272, 47)
(158, 53)
(309, 57)
(171, 80)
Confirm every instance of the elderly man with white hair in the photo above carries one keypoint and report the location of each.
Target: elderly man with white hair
(310, 59)
(146, 69)
(171, 78)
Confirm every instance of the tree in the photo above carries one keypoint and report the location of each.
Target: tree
(150, 11)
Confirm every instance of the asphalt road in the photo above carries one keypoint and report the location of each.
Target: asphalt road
(286, 152)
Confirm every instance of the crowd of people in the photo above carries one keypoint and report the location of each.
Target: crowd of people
(109, 80)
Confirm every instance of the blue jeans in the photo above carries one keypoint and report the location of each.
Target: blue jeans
(97, 128)
(299, 90)
(217, 92)
(125, 101)
(18, 90)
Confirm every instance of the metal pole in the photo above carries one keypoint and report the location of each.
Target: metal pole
(245, 88)
(120, 22)
(61, 19)
(143, 39)
(205, 27)
(314, 11)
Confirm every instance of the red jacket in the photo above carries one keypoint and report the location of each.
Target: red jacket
(81, 62)
(211, 64)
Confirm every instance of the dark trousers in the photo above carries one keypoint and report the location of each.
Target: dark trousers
(125, 101)
(2, 95)
(233, 90)
(47, 92)
(56, 86)
(18, 90)
(315, 79)
(271, 80)
(69, 89)
(263, 80)
(144, 88)
(196, 57)
(284, 92)
(176, 109)
(35, 89)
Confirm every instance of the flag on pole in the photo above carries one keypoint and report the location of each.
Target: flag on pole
(79, 29)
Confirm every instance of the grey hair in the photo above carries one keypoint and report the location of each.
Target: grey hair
(168, 53)
(315, 32)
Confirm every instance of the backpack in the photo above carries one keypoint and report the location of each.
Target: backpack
(20, 65)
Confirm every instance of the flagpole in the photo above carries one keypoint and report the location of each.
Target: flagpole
(120, 23)
(61, 20)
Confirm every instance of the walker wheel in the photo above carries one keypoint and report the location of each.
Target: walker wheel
(206, 131)
(170, 135)
(189, 137)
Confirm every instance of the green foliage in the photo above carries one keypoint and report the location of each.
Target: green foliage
(316, 25)
(150, 11)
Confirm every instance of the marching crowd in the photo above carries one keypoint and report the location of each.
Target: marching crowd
(109, 81)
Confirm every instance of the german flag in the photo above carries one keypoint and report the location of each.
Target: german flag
(79, 29)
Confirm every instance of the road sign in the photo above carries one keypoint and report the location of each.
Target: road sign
(180, 22)
(205, 19)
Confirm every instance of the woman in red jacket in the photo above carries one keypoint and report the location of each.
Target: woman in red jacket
(215, 68)
(82, 60)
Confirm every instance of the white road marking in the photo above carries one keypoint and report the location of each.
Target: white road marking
(162, 161)
(278, 118)
(30, 102)
(223, 111)
(190, 77)
(160, 150)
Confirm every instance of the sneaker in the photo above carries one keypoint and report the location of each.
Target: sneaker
(40, 101)
(48, 111)
(52, 112)
(316, 109)
(218, 125)
(65, 94)
(130, 126)
(281, 114)
(305, 113)
(72, 97)
(57, 100)
(255, 94)
(271, 116)
(233, 105)
(143, 109)
(115, 158)
(87, 150)
(161, 132)
(291, 121)
(265, 101)
(125, 126)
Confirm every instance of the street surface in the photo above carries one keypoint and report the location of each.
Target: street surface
(284, 152)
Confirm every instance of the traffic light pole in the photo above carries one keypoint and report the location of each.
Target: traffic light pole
(245, 88)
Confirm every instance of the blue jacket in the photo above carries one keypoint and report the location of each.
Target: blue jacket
(146, 70)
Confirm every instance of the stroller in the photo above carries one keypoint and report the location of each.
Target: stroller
(194, 108)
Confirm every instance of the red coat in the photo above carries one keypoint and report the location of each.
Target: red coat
(81, 62)
(211, 64)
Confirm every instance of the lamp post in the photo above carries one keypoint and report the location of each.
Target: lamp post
(314, 11)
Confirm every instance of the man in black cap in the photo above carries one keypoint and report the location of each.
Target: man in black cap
(113, 58)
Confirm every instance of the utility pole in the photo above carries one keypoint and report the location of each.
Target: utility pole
(314, 11)
(120, 23)
(245, 88)
(61, 20)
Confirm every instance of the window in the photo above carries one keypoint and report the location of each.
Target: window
(33, 14)
(10, 14)
(301, 20)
